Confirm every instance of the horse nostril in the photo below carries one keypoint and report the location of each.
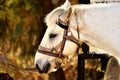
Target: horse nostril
(38, 68)
(45, 67)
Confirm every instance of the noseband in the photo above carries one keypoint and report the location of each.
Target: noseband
(67, 36)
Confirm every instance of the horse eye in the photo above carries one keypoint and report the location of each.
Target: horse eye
(52, 35)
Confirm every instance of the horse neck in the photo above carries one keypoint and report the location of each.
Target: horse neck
(98, 32)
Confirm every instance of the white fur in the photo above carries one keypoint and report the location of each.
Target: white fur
(99, 26)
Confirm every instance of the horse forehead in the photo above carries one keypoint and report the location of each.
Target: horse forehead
(53, 16)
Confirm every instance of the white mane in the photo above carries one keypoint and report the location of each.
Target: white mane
(52, 17)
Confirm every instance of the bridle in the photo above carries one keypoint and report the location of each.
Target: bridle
(54, 51)
(66, 36)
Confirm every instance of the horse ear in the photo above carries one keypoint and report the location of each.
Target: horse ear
(65, 16)
(66, 5)
(63, 21)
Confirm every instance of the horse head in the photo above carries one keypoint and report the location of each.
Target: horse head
(54, 47)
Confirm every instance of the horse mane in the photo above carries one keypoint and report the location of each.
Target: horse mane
(52, 17)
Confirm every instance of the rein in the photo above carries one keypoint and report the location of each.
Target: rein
(2, 59)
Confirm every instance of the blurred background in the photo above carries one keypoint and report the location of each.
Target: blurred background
(21, 30)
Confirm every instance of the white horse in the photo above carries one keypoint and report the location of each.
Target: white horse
(99, 26)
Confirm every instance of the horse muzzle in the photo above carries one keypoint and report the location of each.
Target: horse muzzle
(43, 67)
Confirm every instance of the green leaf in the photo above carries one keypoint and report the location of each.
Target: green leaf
(28, 6)
(18, 30)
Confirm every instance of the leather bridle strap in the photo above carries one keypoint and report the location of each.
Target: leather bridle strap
(63, 43)
(47, 51)
(78, 30)
(72, 38)
(54, 51)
